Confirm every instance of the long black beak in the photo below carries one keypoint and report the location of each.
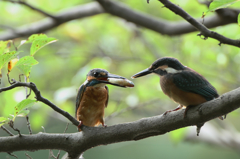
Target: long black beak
(142, 73)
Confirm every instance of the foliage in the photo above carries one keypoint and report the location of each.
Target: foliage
(24, 64)
(218, 4)
(105, 41)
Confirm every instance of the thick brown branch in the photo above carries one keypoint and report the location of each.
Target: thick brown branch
(89, 137)
(39, 97)
(226, 16)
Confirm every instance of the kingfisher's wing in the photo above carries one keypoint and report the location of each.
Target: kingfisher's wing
(79, 96)
(191, 81)
(107, 96)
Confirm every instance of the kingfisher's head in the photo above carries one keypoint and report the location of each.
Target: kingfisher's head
(100, 77)
(162, 66)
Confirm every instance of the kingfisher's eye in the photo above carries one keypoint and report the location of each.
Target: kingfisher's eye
(96, 74)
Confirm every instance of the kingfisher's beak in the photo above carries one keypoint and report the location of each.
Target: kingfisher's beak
(115, 76)
(142, 73)
(117, 81)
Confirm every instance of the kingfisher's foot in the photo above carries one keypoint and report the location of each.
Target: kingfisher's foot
(80, 124)
(179, 107)
(104, 125)
(167, 112)
(185, 112)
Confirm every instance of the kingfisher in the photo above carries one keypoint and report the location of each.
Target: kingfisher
(180, 83)
(93, 95)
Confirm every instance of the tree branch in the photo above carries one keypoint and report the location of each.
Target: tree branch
(89, 137)
(48, 23)
(7, 131)
(203, 29)
(31, 7)
(223, 17)
(39, 97)
(163, 26)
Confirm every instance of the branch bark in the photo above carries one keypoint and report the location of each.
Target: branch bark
(89, 137)
(223, 17)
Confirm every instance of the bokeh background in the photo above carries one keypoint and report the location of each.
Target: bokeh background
(111, 43)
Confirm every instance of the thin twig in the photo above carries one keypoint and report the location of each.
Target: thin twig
(43, 129)
(11, 124)
(30, 91)
(7, 131)
(40, 98)
(31, 7)
(20, 77)
(199, 26)
(51, 154)
(29, 125)
(27, 117)
(13, 80)
(28, 156)
(15, 47)
(11, 154)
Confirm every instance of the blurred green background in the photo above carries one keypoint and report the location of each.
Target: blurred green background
(111, 43)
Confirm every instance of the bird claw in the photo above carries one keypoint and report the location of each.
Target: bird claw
(80, 124)
(104, 125)
(167, 112)
(179, 107)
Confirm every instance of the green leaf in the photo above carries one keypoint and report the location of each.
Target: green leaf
(3, 46)
(177, 135)
(19, 109)
(36, 37)
(3, 120)
(6, 57)
(23, 113)
(39, 41)
(218, 4)
(25, 64)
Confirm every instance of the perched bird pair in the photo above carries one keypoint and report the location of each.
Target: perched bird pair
(182, 84)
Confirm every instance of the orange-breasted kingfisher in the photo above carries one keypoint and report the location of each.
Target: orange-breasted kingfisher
(92, 97)
(181, 83)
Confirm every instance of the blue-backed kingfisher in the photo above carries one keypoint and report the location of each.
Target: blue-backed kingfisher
(92, 97)
(181, 83)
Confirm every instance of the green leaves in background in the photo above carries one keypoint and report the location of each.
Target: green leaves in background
(3, 120)
(38, 41)
(218, 4)
(20, 109)
(25, 64)
(3, 46)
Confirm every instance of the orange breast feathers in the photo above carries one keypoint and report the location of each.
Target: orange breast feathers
(181, 97)
(91, 108)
